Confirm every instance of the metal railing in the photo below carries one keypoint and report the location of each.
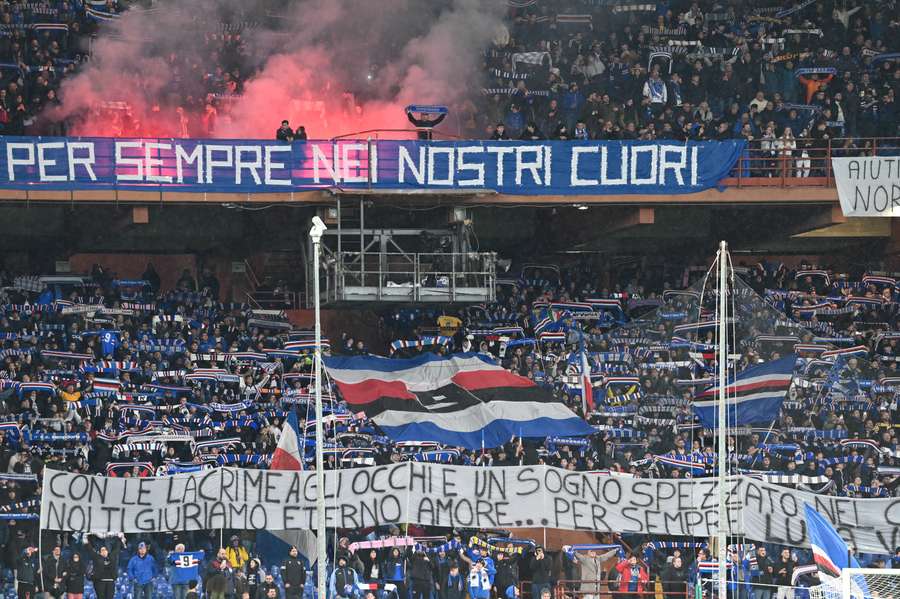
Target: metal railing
(408, 134)
(609, 589)
(802, 162)
(275, 300)
(402, 277)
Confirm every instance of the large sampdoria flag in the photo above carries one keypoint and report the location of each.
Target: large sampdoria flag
(465, 400)
(754, 395)
(829, 550)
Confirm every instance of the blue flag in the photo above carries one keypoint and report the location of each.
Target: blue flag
(830, 552)
(754, 395)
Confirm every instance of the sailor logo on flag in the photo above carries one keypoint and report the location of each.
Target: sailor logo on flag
(465, 400)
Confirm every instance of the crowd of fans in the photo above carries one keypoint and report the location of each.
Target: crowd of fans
(119, 378)
(93, 370)
(791, 78)
(788, 77)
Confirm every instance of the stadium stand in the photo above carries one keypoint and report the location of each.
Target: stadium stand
(121, 378)
(793, 80)
(213, 381)
(770, 73)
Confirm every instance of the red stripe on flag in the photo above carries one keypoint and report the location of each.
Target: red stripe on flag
(490, 379)
(370, 390)
(776, 385)
(825, 564)
(282, 460)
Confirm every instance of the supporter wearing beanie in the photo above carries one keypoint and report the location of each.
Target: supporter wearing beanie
(142, 569)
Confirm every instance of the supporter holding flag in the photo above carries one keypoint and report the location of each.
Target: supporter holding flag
(142, 569)
(288, 455)
(185, 568)
(587, 389)
(754, 395)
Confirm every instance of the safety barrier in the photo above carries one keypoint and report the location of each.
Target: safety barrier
(803, 162)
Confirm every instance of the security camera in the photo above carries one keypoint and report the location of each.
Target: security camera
(318, 228)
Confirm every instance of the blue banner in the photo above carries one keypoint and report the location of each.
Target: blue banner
(253, 166)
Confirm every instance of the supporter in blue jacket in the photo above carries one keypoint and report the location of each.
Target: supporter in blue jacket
(393, 570)
(142, 569)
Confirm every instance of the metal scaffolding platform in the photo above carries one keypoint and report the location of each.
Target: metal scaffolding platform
(365, 261)
(440, 278)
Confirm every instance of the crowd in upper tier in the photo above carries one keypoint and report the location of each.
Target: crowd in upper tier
(790, 77)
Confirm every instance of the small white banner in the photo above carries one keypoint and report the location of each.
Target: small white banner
(868, 186)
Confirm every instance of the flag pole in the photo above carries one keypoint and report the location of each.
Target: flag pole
(315, 235)
(722, 530)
